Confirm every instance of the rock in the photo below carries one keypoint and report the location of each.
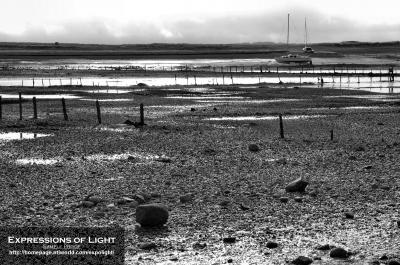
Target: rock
(133, 204)
(359, 148)
(301, 260)
(174, 258)
(385, 187)
(151, 215)
(215, 109)
(146, 196)
(99, 215)
(12, 185)
(88, 196)
(229, 239)
(398, 223)
(87, 204)
(282, 161)
(284, 199)
(297, 185)
(198, 245)
(244, 207)
(338, 253)
(192, 109)
(325, 247)
(186, 198)
(313, 193)
(148, 245)
(349, 215)
(155, 195)
(352, 158)
(139, 198)
(121, 201)
(393, 262)
(230, 260)
(224, 203)
(254, 147)
(94, 199)
(384, 257)
(271, 244)
(298, 199)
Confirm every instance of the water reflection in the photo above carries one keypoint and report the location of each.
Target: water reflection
(243, 118)
(20, 136)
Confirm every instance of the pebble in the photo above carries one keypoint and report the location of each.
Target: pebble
(87, 204)
(298, 199)
(229, 239)
(297, 185)
(349, 215)
(301, 260)
(152, 215)
(284, 199)
(224, 203)
(12, 185)
(146, 196)
(254, 148)
(313, 193)
(148, 245)
(94, 199)
(282, 161)
(271, 244)
(139, 198)
(186, 198)
(325, 247)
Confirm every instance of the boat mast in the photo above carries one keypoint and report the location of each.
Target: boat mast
(305, 24)
(287, 43)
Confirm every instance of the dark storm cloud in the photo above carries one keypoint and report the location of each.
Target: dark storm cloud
(267, 26)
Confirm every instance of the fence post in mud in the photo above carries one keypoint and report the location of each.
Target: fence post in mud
(261, 69)
(60, 83)
(42, 83)
(34, 108)
(195, 82)
(49, 83)
(281, 126)
(187, 80)
(64, 109)
(175, 79)
(277, 70)
(380, 75)
(358, 79)
(232, 79)
(33, 82)
(223, 79)
(98, 111)
(332, 135)
(1, 109)
(20, 105)
(141, 114)
(340, 78)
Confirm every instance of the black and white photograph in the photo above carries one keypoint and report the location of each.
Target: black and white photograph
(191, 132)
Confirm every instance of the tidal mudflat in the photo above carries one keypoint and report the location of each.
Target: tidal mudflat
(217, 157)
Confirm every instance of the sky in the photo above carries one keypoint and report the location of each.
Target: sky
(197, 21)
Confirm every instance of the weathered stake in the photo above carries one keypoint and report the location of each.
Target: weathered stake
(332, 135)
(34, 108)
(281, 126)
(141, 114)
(20, 106)
(98, 111)
(64, 109)
(1, 109)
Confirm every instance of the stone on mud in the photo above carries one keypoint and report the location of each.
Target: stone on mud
(297, 185)
(254, 147)
(338, 253)
(301, 260)
(150, 215)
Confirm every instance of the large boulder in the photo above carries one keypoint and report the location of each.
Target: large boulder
(155, 214)
(297, 185)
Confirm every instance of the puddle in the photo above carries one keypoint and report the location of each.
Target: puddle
(106, 100)
(369, 97)
(60, 96)
(248, 100)
(108, 91)
(20, 136)
(36, 161)
(206, 97)
(244, 118)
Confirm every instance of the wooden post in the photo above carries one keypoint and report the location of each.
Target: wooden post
(1, 109)
(20, 106)
(175, 79)
(195, 82)
(281, 126)
(277, 70)
(64, 109)
(223, 79)
(33, 82)
(34, 108)
(332, 135)
(42, 83)
(98, 111)
(261, 69)
(141, 114)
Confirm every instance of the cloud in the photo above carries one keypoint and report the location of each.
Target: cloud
(263, 26)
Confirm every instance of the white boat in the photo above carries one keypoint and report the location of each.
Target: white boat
(306, 49)
(292, 58)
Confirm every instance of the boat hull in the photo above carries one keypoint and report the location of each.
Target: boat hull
(293, 60)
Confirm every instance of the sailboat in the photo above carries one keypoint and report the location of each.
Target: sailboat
(292, 58)
(306, 49)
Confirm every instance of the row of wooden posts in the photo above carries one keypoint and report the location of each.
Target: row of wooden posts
(64, 107)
